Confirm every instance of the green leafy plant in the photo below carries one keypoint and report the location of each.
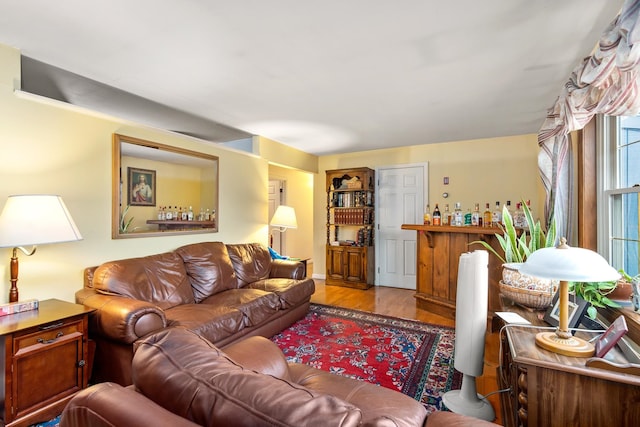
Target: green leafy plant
(124, 223)
(596, 293)
(517, 248)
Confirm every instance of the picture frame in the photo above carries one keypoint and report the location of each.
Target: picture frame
(577, 309)
(141, 188)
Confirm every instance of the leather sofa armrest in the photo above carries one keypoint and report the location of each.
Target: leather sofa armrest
(110, 404)
(287, 269)
(259, 354)
(120, 318)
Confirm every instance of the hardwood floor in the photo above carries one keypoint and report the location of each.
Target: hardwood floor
(401, 303)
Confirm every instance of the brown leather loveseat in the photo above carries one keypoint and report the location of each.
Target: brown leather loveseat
(221, 292)
(181, 379)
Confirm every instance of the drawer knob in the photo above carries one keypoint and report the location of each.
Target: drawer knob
(52, 340)
(81, 363)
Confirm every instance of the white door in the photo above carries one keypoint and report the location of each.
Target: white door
(275, 200)
(400, 195)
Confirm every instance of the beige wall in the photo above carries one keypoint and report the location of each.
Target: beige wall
(47, 147)
(479, 171)
(299, 195)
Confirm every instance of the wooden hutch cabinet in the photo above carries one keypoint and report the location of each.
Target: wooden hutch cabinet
(350, 227)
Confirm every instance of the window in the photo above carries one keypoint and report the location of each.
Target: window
(619, 148)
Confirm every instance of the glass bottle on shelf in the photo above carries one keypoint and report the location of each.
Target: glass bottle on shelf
(467, 217)
(437, 217)
(486, 216)
(190, 214)
(427, 215)
(518, 216)
(476, 217)
(446, 216)
(458, 219)
(496, 215)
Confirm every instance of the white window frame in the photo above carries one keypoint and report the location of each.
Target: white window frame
(607, 181)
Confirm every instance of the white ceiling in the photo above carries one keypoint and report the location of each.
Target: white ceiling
(324, 77)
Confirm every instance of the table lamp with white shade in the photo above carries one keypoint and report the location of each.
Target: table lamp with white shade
(284, 218)
(31, 220)
(567, 264)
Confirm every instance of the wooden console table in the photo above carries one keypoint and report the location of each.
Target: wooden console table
(548, 389)
(438, 254)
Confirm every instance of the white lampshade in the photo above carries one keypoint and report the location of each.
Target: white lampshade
(567, 264)
(570, 264)
(284, 217)
(36, 219)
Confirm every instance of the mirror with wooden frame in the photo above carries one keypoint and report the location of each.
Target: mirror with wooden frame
(161, 190)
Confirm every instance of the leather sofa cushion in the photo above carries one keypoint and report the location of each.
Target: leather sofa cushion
(291, 292)
(251, 261)
(160, 279)
(257, 306)
(214, 323)
(209, 268)
(189, 376)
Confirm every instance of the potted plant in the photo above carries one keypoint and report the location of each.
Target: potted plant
(604, 294)
(526, 290)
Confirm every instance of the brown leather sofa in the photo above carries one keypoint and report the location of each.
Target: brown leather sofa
(181, 379)
(221, 292)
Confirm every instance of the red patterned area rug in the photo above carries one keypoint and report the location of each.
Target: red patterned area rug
(412, 357)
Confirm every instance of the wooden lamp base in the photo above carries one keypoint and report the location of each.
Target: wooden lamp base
(572, 346)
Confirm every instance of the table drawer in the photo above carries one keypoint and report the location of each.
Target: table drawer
(46, 335)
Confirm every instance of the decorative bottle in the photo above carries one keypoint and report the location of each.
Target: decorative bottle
(190, 214)
(446, 216)
(458, 219)
(486, 216)
(496, 215)
(437, 217)
(476, 216)
(427, 215)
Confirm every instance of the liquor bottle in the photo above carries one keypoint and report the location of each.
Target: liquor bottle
(437, 217)
(446, 216)
(518, 216)
(190, 214)
(467, 217)
(427, 216)
(168, 214)
(175, 213)
(476, 216)
(496, 216)
(184, 215)
(458, 220)
(486, 216)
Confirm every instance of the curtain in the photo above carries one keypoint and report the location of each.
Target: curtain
(606, 82)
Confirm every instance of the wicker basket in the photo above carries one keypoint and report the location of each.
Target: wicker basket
(529, 298)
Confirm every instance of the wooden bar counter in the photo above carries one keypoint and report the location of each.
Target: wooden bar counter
(438, 253)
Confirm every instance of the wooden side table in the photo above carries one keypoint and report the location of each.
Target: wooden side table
(45, 354)
(548, 389)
